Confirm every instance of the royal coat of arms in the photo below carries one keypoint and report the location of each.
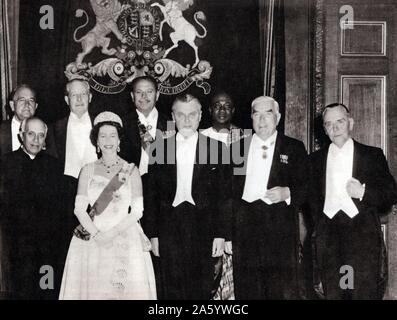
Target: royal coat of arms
(138, 26)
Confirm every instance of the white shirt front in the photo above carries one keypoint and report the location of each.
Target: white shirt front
(185, 158)
(150, 122)
(79, 149)
(15, 126)
(219, 136)
(258, 168)
(339, 171)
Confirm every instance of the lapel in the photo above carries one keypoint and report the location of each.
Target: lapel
(323, 169)
(92, 118)
(357, 171)
(275, 169)
(202, 144)
(8, 137)
(60, 137)
(357, 157)
(171, 167)
(161, 122)
(132, 135)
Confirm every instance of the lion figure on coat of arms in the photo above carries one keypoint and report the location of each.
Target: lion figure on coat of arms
(106, 12)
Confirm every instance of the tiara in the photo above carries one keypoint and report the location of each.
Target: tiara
(107, 116)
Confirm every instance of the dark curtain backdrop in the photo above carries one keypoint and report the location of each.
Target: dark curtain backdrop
(279, 60)
(232, 46)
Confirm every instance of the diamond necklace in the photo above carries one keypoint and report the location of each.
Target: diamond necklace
(108, 167)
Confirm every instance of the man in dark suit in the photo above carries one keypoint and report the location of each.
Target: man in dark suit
(72, 133)
(23, 104)
(74, 148)
(144, 124)
(187, 209)
(269, 186)
(31, 202)
(351, 186)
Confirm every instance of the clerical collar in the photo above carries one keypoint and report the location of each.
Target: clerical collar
(151, 116)
(31, 156)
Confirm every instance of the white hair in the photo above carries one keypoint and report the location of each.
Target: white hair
(265, 100)
(26, 121)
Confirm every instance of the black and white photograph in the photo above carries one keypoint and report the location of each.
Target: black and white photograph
(216, 151)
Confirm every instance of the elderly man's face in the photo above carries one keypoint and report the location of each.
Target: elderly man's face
(222, 109)
(187, 116)
(265, 119)
(145, 96)
(23, 104)
(34, 136)
(338, 125)
(79, 97)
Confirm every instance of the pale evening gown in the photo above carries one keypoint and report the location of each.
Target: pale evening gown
(120, 270)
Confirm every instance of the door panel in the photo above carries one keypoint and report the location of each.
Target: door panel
(360, 70)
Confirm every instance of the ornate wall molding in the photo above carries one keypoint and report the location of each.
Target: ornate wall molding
(266, 18)
(318, 72)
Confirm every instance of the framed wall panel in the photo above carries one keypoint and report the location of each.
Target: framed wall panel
(363, 38)
(365, 95)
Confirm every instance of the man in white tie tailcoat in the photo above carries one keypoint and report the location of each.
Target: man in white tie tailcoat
(188, 206)
(351, 186)
(269, 187)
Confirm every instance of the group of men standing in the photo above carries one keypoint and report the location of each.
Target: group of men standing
(225, 191)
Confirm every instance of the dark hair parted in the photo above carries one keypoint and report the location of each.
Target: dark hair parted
(95, 131)
(144, 78)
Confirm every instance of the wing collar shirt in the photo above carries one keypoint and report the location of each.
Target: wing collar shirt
(185, 158)
(15, 127)
(79, 149)
(259, 163)
(339, 171)
(150, 122)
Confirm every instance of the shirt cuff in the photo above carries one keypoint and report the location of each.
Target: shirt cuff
(288, 201)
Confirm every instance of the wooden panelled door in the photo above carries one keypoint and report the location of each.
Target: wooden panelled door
(361, 71)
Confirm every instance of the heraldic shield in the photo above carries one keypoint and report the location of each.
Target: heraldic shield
(137, 26)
